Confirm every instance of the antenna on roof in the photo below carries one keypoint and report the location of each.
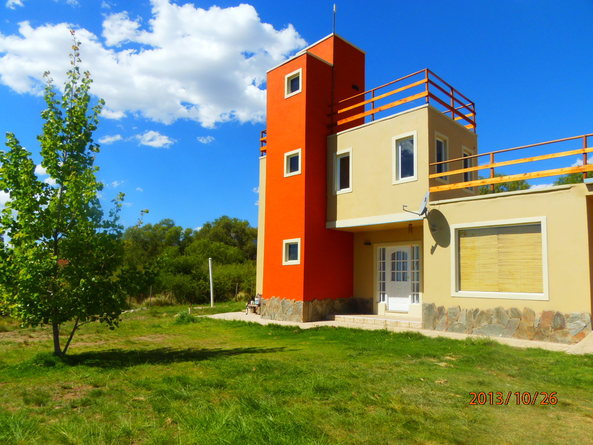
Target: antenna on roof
(423, 210)
(334, 28)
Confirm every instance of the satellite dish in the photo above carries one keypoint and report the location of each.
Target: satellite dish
(423, 206)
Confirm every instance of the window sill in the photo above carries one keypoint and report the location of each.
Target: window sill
(403, 181)
(343, 191)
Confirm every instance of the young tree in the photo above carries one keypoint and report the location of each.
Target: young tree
(60, 255)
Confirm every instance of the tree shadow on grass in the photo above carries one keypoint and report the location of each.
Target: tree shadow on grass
(124, 358)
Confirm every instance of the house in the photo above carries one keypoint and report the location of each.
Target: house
(343, 173)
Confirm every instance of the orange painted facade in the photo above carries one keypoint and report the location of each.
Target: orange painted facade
(295, 206)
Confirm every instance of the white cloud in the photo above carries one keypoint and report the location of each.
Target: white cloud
(184, 62)
(110, 139)
(105, 5)
(154, 139)
(4, 197)
(12, 4)
(139, 189)
(579, 162)
(541, 186)
(40, 171)
(50, 181)
(205, 139)
(255, 190)
(116, 184)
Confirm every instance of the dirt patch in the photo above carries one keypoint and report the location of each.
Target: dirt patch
(152, 338)
(73, 393)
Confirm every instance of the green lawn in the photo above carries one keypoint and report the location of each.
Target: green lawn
(156, 380)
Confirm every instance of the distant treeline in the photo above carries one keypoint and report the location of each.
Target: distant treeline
(169, 263)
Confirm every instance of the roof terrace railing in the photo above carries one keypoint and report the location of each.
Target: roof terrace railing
(421, 86)
(578, 167)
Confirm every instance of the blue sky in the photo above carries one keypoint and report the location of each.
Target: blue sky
(185, 81)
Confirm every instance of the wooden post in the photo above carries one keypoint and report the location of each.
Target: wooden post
(452, 92)
(584, 156)
(372, 104)
(492, 171)
(426, 84)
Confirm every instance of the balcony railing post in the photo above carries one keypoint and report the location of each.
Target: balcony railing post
(452, 92)
(373, 105)
(492, 171)
(584, 156)
(427, 98)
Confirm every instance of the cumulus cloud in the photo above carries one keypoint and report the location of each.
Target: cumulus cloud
(110, 139)
(12, 4)
(205, 139)
(155, 139)
(51, 181)
(4, 197)
(139, 189)
(40, 171)
(184, 62)
(116, 184)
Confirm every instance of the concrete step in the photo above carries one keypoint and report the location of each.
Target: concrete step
(380, 322)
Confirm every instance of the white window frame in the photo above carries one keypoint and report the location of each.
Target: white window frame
(469, 152)
(455, 292)
(439, 136)
(339, 154)
(287, 80)
(285, 260)
(288, 155)
(395, 161)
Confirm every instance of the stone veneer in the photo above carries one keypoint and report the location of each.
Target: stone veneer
(500, 322)
(292, 310)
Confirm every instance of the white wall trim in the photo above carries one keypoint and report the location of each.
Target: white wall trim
(444, 138)
(373, 220)
(298, 72)
(338, 154)
(289, 154)
(395, 161)
(455, 292)
(285, 261)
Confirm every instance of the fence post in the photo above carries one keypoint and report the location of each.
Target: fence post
(491, 171)
(584, 156)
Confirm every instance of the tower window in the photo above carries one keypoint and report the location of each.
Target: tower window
(292, 163)
(293, 84)
(291, 251)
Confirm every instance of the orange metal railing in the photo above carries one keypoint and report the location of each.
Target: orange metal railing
(263, 142)
(492, 164)
(423, 86)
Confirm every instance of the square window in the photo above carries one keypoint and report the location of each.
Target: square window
(292, 163)
(291, 252)
(343, 172)
(292, 83)
(404, 155)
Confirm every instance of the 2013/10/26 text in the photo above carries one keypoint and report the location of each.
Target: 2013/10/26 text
(517, 398)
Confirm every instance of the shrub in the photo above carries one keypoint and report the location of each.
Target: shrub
(185, 318)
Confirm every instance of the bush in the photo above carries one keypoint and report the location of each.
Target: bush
(185, 318)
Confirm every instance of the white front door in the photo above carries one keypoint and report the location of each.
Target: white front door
(399, 276)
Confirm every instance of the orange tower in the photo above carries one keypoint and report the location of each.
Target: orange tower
(307, 268)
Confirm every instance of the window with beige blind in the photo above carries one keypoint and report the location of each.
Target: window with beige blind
(504, 259)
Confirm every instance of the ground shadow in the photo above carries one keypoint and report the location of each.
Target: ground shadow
(124, 358)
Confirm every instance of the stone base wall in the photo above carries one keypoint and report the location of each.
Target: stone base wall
(291, 310)
(501, 322)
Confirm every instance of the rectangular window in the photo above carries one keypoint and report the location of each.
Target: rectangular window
(292, 163)
(415, 265)
(292, 83)
(441, 155)
(404, 153)
(503, 259)
(343, 172)
(467, 163)
(381, 262)
(291, 251)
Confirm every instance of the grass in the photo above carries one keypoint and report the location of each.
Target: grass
(161, 380)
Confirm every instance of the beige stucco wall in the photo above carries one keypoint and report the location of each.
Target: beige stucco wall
(565, 212)
(374, 198)
(365, 251)
(261, 219)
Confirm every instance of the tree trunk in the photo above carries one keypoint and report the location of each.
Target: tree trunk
(56, 332)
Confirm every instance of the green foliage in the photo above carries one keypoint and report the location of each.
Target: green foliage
(165, 259)
(185, 318)
(63, 253)
(504, 186)
(571, 178)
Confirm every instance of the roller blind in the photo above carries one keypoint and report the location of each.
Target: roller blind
(500, 259)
